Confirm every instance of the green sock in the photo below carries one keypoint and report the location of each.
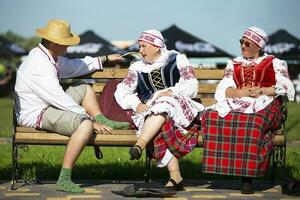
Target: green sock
(113, 124)
(65, 183)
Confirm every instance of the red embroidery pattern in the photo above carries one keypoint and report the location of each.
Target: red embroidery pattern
(187, 111)
(130, 78)
(284, 73)
(187, 72)
(228, 73)
(244, 105)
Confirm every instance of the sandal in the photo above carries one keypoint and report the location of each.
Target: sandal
(135, 152)
(176, 186)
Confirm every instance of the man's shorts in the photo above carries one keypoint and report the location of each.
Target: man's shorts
(65, 122)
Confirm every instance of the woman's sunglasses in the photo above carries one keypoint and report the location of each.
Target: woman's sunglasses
(247, 44)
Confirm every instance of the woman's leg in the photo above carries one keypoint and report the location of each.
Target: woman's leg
(174, 170)
(152, 126)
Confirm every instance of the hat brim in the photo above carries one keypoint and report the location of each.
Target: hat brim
(73, 40)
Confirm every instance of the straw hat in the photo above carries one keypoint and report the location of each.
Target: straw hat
(58, 31)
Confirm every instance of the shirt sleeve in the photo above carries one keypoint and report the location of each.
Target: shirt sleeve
(284, 85)
(187, 84)
(126, 94)
(45, 84)
(68, 68)
(225, 83)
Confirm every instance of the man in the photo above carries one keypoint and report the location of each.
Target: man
(42, 103)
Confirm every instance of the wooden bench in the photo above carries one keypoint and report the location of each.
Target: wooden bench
(208, 79)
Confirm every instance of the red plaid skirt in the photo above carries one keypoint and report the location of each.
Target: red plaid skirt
(171, 138)
(240, 144)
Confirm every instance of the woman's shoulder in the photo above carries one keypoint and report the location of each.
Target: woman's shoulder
(134, 66)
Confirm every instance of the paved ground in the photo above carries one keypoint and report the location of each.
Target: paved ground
(220, 189)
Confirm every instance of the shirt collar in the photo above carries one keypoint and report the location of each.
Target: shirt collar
(46, 52)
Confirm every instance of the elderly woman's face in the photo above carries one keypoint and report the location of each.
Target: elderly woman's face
(149, 52)
(249, 49)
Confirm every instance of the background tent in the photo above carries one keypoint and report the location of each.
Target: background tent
(10, 49)
(184, 42)
(194, 48)
(91, 45)
(286, 47)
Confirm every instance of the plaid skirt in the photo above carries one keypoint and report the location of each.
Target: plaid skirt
(171, 138)
(240, 144)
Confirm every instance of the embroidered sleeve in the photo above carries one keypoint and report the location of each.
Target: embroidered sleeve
(225, 83)
(284, 85)
(130, 79)
(125, 94)
(187, 72)
(187, 84)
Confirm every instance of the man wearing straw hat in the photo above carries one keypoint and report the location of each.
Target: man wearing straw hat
(42, 103)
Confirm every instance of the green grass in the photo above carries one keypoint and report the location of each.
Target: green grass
(6, 117)
(44, 162)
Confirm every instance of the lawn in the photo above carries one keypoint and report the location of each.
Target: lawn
(44, 162)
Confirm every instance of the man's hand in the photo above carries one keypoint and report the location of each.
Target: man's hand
(114, 57)
(141, 108)
(101, 129)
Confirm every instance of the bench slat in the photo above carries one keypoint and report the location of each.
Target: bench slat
(203, 88)
(37, 138)
(201, 74)
(118, 138)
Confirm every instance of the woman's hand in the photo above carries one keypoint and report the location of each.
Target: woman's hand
(141, 108)
(165, 93)
(243, 92)
(101, 129)
(255, 92)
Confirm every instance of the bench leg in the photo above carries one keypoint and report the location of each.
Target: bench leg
(278, 159)
(147, 168)
(15, 158)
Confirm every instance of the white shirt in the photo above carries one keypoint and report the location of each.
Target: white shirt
(37, 84)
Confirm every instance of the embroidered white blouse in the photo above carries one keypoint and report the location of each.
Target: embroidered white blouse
(185, 89)
(37, 84)
(180, 107)
(224, 105)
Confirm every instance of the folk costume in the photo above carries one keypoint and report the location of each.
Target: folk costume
(238, 132)
(145, 81)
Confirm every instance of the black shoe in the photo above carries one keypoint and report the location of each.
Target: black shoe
(135, 152)
(176, 186)
(247, 187)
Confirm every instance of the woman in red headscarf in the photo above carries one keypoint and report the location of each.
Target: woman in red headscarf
(239, 129)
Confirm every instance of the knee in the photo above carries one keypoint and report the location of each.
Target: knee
(89, 89)
(86, 127)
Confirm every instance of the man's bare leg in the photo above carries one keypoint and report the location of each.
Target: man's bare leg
(91, 105)
(77, 142)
